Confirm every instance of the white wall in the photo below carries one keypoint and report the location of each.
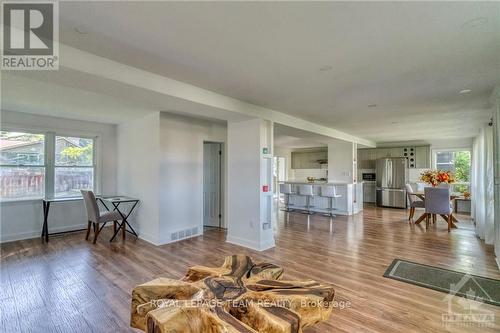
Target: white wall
(340, 158)
(452, 143)
(181, 171)
(287, 154)
(247, 210)
(23, 219)
(302, 174)
(139, 172)
(161, 163)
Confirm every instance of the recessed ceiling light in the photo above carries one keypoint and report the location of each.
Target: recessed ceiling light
(81, 30)
(372, 105)
(465, 91)
(325, 68)
(474, 23)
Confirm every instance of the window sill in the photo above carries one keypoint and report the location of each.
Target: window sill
(14, 201)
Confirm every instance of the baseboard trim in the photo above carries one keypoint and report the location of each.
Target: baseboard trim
(248, 244)
(37, 234)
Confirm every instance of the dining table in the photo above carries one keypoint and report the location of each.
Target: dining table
(453, 196)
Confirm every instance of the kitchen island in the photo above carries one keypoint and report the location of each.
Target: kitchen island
(350, 202)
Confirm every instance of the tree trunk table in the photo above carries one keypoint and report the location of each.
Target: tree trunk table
(239, 296)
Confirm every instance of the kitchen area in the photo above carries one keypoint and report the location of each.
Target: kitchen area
(324, 164)
(350, 168)
(414, 159)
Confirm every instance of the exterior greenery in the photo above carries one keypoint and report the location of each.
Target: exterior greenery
(462, 165)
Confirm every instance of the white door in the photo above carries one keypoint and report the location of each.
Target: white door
(212, 154)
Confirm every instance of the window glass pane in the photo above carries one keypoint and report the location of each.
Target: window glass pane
(72, 151)
(69, 181)
(462, 165)
(22, 182)
(458, 162)
(17, 148)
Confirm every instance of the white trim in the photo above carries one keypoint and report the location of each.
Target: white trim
(434, 150)
(50, 135)
(50, 158)
(249, 244)
(36, 234)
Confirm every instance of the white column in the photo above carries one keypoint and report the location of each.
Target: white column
(249, 207)
(340, 161)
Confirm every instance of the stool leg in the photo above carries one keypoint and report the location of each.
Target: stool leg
(330, 207)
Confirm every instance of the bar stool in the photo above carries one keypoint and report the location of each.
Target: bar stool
(286, 189)
(307, 191)
(328, 191)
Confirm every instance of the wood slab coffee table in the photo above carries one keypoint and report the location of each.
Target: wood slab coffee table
(239, 296)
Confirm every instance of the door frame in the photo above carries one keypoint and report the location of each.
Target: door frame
(222, 182)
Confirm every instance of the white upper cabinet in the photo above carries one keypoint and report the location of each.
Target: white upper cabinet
(418, 157)
(423, 160)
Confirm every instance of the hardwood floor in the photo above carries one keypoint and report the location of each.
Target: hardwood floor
(71, 285)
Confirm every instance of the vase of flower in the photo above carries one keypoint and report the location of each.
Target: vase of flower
(436, 177)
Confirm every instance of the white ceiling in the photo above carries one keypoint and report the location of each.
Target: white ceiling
(411, 59)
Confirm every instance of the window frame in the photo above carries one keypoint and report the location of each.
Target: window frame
(50, 154)
(434, 161)
(44, 165)
(54, 166)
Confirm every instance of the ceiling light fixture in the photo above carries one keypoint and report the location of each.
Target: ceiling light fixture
(325, 68)
(474, 23)
(465, 91)
(81, 31)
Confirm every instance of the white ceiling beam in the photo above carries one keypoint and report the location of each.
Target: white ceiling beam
(85, 62)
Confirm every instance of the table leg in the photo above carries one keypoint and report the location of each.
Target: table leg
(45, 228)
(124, 230)
(445, 218)
(120, 225)
(124, 224)
(44, 219)
(421, 218)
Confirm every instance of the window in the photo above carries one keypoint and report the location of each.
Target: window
(74, 165)
(36, 165)
(458, 162)
(22, 165)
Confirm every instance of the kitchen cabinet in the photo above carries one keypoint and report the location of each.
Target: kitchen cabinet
(395, 152)
(369, 192)
(309, 159)
(367, 158)
(423, 158)
(382, 152)
(418, 157)
(363, 158)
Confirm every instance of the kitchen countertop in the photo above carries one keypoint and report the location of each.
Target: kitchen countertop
(317, 182)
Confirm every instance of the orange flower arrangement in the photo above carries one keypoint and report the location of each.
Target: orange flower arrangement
(436, 177)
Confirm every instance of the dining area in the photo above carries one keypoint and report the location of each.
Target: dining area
(437, 200)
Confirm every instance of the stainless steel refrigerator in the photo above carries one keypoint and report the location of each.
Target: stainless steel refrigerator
(392, 176)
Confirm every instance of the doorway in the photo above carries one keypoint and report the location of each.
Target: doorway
(279, 172)
(212, 184)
